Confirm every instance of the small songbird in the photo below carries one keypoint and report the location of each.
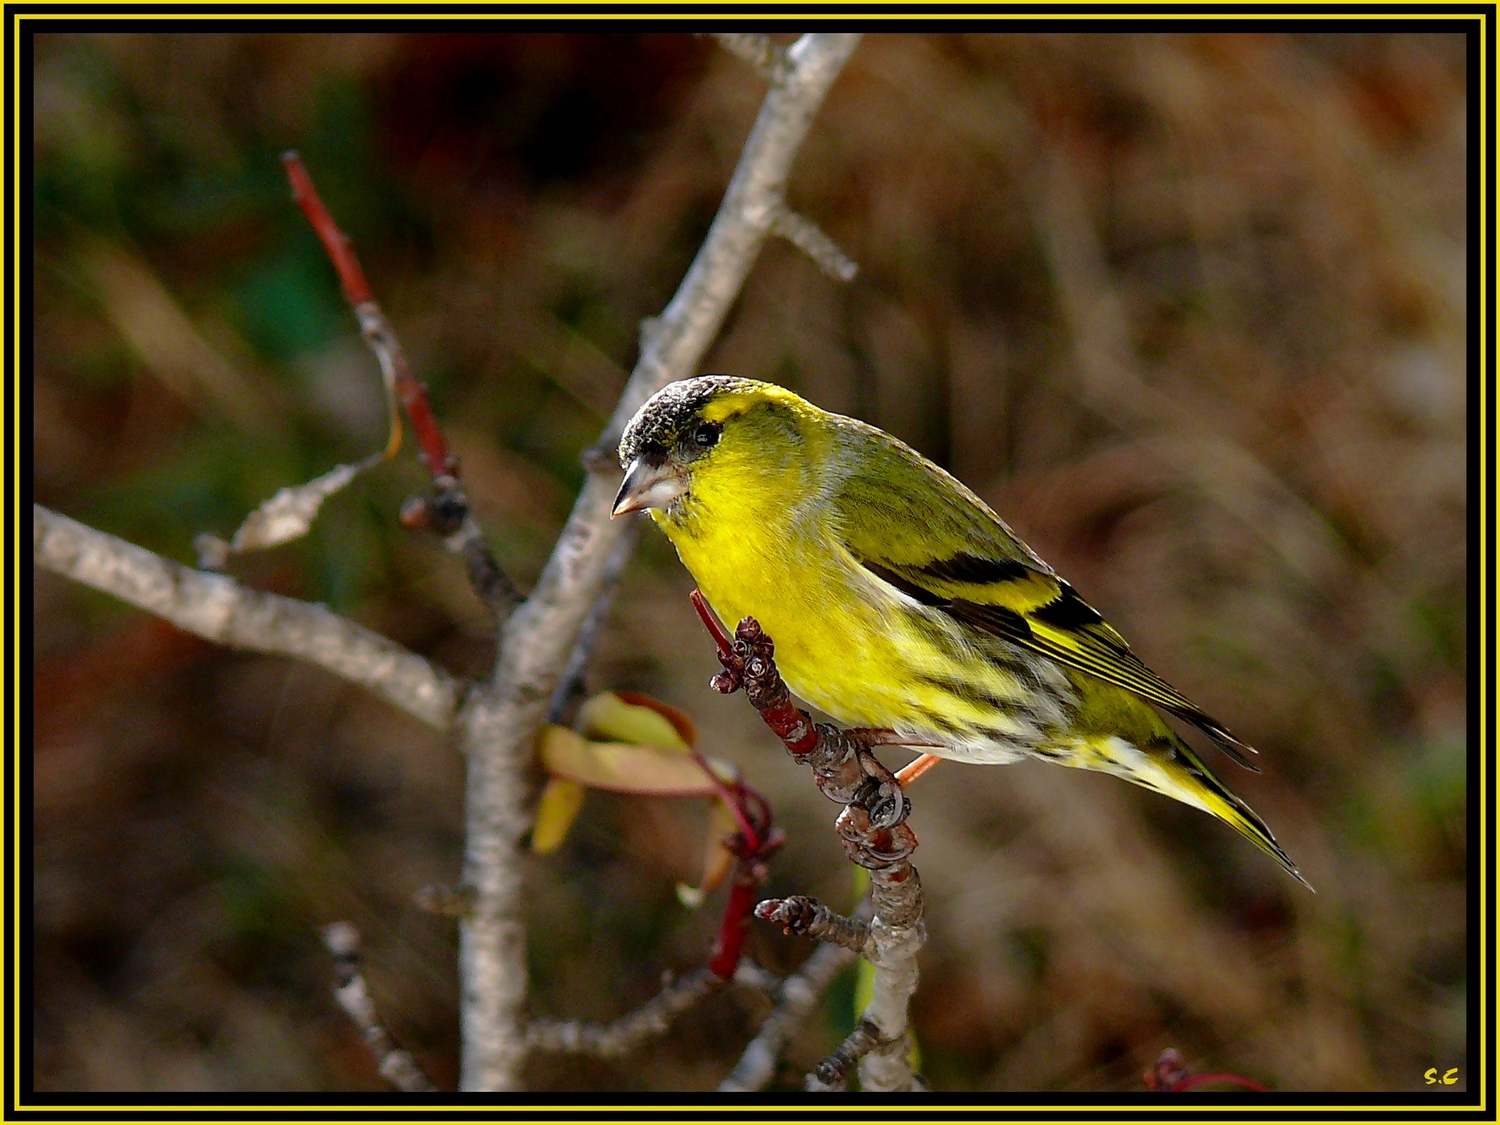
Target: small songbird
(898, 599)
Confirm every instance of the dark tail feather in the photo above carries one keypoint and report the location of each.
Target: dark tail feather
(1228, 807)
(1233, 747)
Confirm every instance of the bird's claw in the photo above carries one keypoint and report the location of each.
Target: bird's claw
(884, 800)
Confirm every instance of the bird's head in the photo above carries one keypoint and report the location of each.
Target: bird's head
(697, 436)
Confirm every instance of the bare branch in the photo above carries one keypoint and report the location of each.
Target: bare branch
(621, 1036)
(490, 582)
(751, 975)
(808, 237)
(795, 1000)
(218, 608)
(758, 51)
(571, 685)
(396, 1066)
(501, 723)
(833, 1071)
(807, 917)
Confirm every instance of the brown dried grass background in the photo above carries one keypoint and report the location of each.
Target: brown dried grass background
(1188, 310)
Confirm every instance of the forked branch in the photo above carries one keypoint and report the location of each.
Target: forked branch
(501, 724)
(446, 509)
(498, 722)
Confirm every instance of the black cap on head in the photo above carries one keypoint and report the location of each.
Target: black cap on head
(659, 424)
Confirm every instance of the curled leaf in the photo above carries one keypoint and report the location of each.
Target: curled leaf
(624, 768)
(631, 743)
(285, 516)
(562, 798)
(716, 858)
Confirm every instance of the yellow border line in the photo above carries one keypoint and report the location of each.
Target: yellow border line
(363, 11)
(11, 433)
(1486, 440)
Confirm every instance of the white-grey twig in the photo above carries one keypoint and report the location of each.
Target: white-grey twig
(218, 608)
(396, 1066)
(808, 237)
(833, 1072)
(571, 686)
(751, 975)
(795, 1000)
(758, 51)
(500, 722)
(620, 1037)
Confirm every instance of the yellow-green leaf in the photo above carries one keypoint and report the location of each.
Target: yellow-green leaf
(628, 716)
(555, 813)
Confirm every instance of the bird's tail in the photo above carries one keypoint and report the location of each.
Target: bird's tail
(1171, 768)
(1191, 782)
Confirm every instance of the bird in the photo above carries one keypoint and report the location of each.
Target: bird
(898, 599)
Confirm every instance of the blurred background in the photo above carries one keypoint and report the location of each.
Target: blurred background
(1189, 311)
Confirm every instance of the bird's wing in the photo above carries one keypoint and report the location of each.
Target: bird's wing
(918, 529)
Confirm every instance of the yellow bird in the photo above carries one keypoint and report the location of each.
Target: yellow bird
(898, 599)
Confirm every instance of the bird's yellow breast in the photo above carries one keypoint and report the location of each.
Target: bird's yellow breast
(753, 555)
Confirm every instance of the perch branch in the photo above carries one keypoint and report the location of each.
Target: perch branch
(875, 835)
(501, 722)
(218, 608)
(446, 510)
(833, 1072)
(396, 1066)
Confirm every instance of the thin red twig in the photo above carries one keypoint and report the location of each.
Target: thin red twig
(372, 321)
(733, 797)
(1170, 1076)
(446, 510)
(733, 927)
(751, 846)
(336, 242)
(722, 640)
(1218, 1076)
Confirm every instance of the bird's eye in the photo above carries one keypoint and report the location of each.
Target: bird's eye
(706, 435)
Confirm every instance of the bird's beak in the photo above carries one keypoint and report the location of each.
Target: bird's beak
(649, 483)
